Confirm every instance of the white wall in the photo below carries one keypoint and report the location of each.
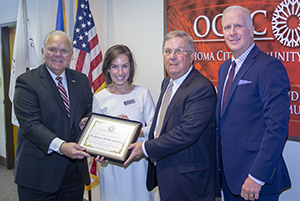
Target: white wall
(2, 115)
(136, 23)
(291, 155)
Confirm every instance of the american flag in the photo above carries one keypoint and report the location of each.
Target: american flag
(87, 54)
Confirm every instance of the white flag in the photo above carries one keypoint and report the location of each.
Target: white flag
(24, 54)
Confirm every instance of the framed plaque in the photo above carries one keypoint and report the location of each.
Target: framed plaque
(109, 136)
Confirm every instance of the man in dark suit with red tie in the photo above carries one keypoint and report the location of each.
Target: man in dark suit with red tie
(181, 145)
(252, 115)
(49, 164)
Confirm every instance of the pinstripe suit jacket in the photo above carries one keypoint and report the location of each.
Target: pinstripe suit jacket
(42, 117)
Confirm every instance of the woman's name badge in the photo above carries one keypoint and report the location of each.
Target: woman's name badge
(128, 102)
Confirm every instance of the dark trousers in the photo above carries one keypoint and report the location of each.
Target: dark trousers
(71, 188)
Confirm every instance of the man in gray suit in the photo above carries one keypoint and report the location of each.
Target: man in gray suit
(49, 164)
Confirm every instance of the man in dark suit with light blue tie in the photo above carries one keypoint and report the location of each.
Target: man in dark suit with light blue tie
(252, 115)
(49, 164)
(181, 145)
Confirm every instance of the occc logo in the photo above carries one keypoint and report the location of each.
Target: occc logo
(285, 24)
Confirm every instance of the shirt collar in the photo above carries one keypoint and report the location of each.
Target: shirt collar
(63, 75)
(240, 60)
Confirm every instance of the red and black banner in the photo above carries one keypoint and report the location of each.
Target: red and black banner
(277, 32)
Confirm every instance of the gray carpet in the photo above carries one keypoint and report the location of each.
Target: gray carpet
(8, 189)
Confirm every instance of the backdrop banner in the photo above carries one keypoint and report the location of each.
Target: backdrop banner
(277, 32)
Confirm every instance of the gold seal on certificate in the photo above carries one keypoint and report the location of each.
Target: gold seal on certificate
(109, 136)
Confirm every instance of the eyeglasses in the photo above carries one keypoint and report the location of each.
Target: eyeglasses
(53, 50)
(178, 52)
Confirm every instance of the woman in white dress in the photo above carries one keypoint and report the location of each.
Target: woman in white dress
(124, 100)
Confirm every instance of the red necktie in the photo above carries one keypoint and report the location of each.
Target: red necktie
(63, 94)
(228, 84)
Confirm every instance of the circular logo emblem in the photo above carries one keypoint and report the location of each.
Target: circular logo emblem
(111, 128)
(286, 23)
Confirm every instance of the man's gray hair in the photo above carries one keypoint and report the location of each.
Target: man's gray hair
(181, 34)
(57, 32)
(246, 12)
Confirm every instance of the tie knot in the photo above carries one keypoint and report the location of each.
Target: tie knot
(58, 78)
(233, 64)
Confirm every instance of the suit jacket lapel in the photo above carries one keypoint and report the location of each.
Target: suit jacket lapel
(49, 84)
(173, 102)
(244, 68)
(223, 76)
(157, 108)
(178, 94)
(72, 94)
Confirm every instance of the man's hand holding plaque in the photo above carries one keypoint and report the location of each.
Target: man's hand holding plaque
(109, 136)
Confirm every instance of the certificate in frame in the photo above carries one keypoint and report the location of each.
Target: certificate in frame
(109, 136)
